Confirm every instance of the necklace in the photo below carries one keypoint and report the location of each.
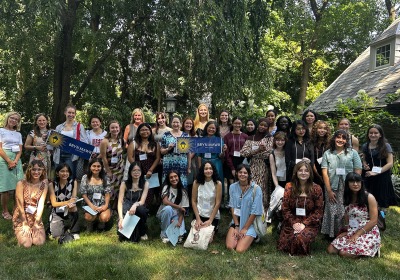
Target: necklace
(243, 191)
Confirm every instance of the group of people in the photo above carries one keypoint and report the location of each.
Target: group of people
(325, 183)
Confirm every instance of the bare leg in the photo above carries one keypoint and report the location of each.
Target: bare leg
(231, 241)
(244, 244)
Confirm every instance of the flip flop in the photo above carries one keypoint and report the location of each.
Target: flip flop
(6, 216)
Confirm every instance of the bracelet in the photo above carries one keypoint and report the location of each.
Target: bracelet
(236, 226)
(364, 230)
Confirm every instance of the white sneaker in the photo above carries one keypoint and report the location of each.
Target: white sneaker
(164, 239)
(144, 237)
(76, 236)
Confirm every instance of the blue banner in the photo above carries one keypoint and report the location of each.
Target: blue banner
(70, 145)
(198, 145)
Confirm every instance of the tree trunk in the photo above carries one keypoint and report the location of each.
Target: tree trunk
(305, 77)
(391, 10)
(63, 62)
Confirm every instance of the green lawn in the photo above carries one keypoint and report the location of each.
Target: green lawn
(101, 256)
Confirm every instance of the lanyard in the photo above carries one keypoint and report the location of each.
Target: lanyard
(304, 147)
(373, 164)
(234, 141)
(305, 199)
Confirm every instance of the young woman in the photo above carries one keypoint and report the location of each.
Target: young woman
(337, 162)
(73, 129)
(299, 147)
(206, 197)
(36, 141)
(63, 193)
(201, 119)
(345, 124)
(30, 196)
(271, 116)
(130, 130)
(309, 117)
(188, 128)
(245, 202)
(174, 202)
(277, 160)
(161, 126)
(132, 197)
(320, 137)
(96, 134)
(257, 148)
(171, 159)
(378, 161)
(360, 235)
(10, 159)
(224, 123)
(112, 151)
(251, 127)
(146, 150)
(234, 142)
(302, 209)
(283, 123)
(96, 192)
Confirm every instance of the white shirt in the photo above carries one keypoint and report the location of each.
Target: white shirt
(95, 139)
(10, 138)
(206, 195)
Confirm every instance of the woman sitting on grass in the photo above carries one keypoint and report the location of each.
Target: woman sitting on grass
(174, 201)
(361, 234)
(245, 202)
(96, 192)
(30, 195)
(132, 197)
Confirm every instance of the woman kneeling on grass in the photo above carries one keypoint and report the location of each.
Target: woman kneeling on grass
(30, 196)
(96, 192)
(245, 202)
(131, 198)
(361, 234)
(174, 200)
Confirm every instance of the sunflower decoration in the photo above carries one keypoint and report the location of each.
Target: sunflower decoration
(183, 145)
(55, 139)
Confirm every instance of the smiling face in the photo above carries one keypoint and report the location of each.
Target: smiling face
(322, 130)
(208, 171)
(95, 168)
(223, 117)
(173, 179)
(36, 172)
(144, 132)
(271, 117)
(161, 120)
(355, 186)
(138, 118)
(300, 131)
(310, 118)
(114, 129)
(188, 125)
(374, 134)
(243, 176)
(63, 174)
(250, 126)
(12, 121)
(41, 122)
(303, 173)
(340, 141)
(176, 124)
(344, 124)
(237, 125)
(211, 129)
(70, 114)
(262, 127)
(136, 172)
(284, 124)
(95, 123)
(203, 111)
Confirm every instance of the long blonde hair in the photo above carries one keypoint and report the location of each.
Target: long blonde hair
(197, 118)
(8, 115)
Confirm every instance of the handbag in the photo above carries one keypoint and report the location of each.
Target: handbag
(260, 222)
(381, 220)
(199, 239)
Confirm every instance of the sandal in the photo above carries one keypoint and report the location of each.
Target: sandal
(6, 216)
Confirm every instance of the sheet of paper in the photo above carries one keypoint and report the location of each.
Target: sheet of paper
(128, 224)
(173, 233)
(153, 181)
(89, 210)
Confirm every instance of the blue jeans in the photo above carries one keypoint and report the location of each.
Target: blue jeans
(166, 215)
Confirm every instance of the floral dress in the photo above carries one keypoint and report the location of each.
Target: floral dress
(172, 160)
(367, 244)
(115, 151)
(91, 190)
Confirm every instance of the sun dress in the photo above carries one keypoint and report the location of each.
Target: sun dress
(381, 185)
(367, 244)
(172, 160)
(116, 150)
(30, 199)
(258, 166)
(300, 243)
(45, 156)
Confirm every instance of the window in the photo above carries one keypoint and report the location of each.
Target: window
(382, 55)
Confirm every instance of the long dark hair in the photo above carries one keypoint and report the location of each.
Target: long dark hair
(152, 143)
(255, 127)
(36, 129)
(179, 186)
(129, 181)
(362, 195)
(201, 178)
(205, 134)
(293, 135)
(58, 168)
(234, 119)
(381, 145)
(332, 145)
(192, 132)
(102, 173)
(303, 117)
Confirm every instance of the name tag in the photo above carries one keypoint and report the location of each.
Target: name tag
(31, 209)
(207, 155)
(298, 160)
(280, 173)
(97, 195)
(60, 209)
(236, 153)
(236, 212)
(340, 171)
(255, 147)
(15, 149)
(319, 160)
(353, 223)
(377, 169)
(143, 156)
(300, 211)
(114, 160)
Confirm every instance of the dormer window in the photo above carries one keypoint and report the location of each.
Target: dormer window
(382, 55)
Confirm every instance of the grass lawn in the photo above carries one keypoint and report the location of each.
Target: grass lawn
(101, 256)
